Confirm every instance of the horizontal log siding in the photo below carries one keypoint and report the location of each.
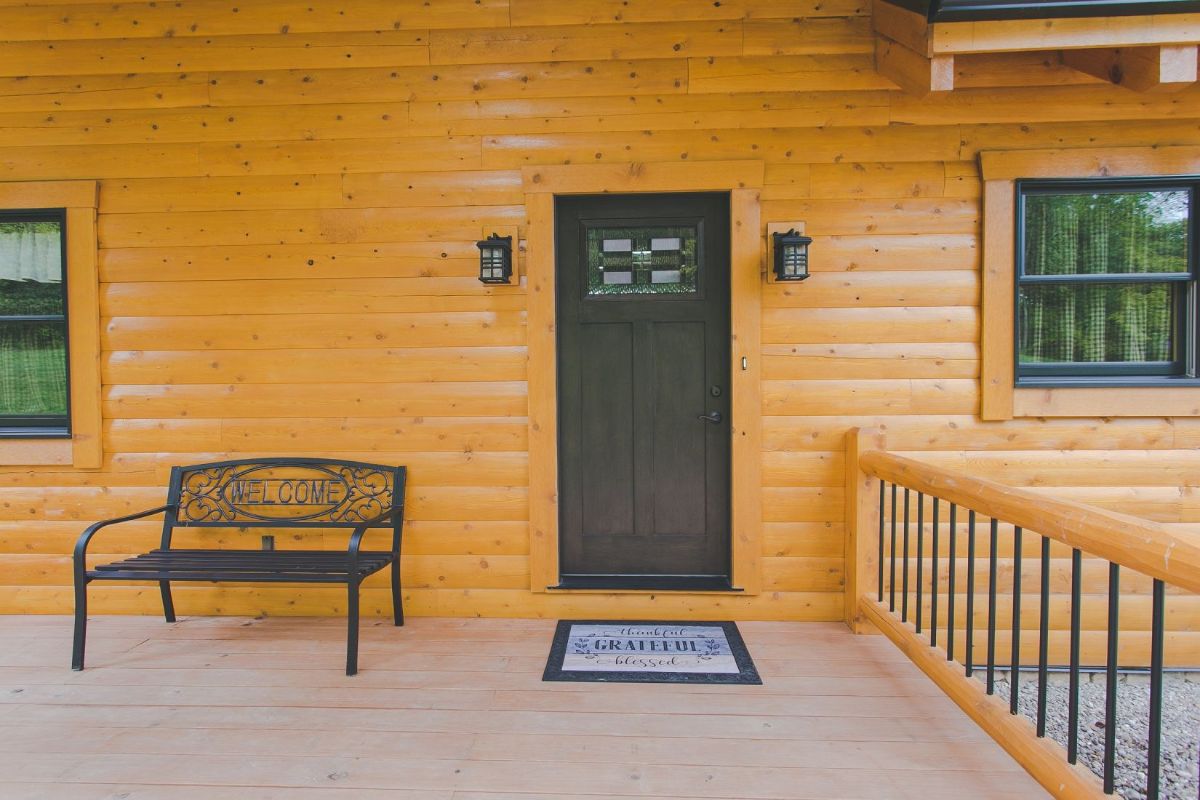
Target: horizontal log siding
(289, 201)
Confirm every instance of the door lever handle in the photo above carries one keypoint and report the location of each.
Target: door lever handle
(713, 416)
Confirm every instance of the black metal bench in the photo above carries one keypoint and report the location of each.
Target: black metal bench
(282, 493)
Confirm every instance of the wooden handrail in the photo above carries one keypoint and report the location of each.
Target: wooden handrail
(1141, 545)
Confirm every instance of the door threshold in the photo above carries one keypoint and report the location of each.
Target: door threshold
(657, 583)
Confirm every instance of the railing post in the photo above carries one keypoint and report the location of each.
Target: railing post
(862, 526)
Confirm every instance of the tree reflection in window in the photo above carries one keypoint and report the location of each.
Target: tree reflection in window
(33, 327)
(1104, 280)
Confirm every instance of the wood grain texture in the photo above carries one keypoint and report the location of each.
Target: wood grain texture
(289, 200)
(1090, 162)
(1142, 69)
(456, 708)
(863, 519)
(1029, 34)
(83, 302)
(1044, 758)
(543, 399)
(997, 363)
(746, 287)
(914, 72)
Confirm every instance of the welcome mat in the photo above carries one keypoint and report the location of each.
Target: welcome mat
(649, 652)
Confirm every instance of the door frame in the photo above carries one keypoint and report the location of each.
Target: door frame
(743, 180)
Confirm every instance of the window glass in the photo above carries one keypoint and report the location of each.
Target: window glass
(1097, 322)
(33, 326)
(652, 259)
(1090, 233)
(1105, 282)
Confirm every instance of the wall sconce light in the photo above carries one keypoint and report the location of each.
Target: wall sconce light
(791, 255)
(495, 259)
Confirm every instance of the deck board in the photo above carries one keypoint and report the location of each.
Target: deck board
(227, 707)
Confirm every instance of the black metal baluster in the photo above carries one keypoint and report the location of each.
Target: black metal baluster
(920, 555)
(882, 498)
(892, 561)
(969, 661)
(1014, 680)
(950, 583)
(1073, 699)
(1154, 751)
(904, 565)
(1110, 691)
(1043, 638)
(993, 541)
(933, 580)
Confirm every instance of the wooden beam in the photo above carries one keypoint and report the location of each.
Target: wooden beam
(35, 452)
(996, 339)
(901, 25)
(998, 36)
(49, 194)
(543, 406)
(862, 525)
(83, 299)
(1131, 401)
(745, 285)
(911, 71)
(1157, 68)
(1089, 162)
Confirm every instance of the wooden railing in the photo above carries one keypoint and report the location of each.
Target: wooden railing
(894, 585)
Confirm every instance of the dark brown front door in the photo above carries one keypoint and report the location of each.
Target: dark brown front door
(643, 390)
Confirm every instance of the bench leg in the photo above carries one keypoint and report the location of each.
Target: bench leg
(168, 607)
(397, 602)
(352, 627)
(80, 624)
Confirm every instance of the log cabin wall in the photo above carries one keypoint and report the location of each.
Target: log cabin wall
(289, 200)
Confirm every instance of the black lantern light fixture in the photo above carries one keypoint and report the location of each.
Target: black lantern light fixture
(791, 256)
(495, 259)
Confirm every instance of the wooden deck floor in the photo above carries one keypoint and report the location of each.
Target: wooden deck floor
(454, 709)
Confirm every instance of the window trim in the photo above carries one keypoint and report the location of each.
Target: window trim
(43, 426)
(1001, 397)
(81, 445)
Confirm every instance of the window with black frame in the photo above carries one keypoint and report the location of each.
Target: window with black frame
(33, 324)
(1106, 282)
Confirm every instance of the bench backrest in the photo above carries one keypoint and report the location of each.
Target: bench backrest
(285, 493)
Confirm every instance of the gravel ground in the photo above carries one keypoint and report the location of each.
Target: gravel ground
(1181, 727)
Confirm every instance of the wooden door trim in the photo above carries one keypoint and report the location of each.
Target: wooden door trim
(743, 179)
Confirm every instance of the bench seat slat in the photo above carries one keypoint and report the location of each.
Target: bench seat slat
(214, 575)
(256, 565)
(257, 556)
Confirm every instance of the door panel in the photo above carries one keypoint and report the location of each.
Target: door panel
(606, 481)
(643, 333)
(678, 452)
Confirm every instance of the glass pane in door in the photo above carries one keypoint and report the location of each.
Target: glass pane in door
(652, 259)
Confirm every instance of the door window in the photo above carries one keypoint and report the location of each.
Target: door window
(644, 260)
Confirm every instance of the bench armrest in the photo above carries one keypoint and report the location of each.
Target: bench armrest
(360, 531)
(86, 537)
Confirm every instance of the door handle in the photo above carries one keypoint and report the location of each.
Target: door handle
(713, 416)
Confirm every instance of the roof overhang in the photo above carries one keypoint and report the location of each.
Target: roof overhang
(1145, 49)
